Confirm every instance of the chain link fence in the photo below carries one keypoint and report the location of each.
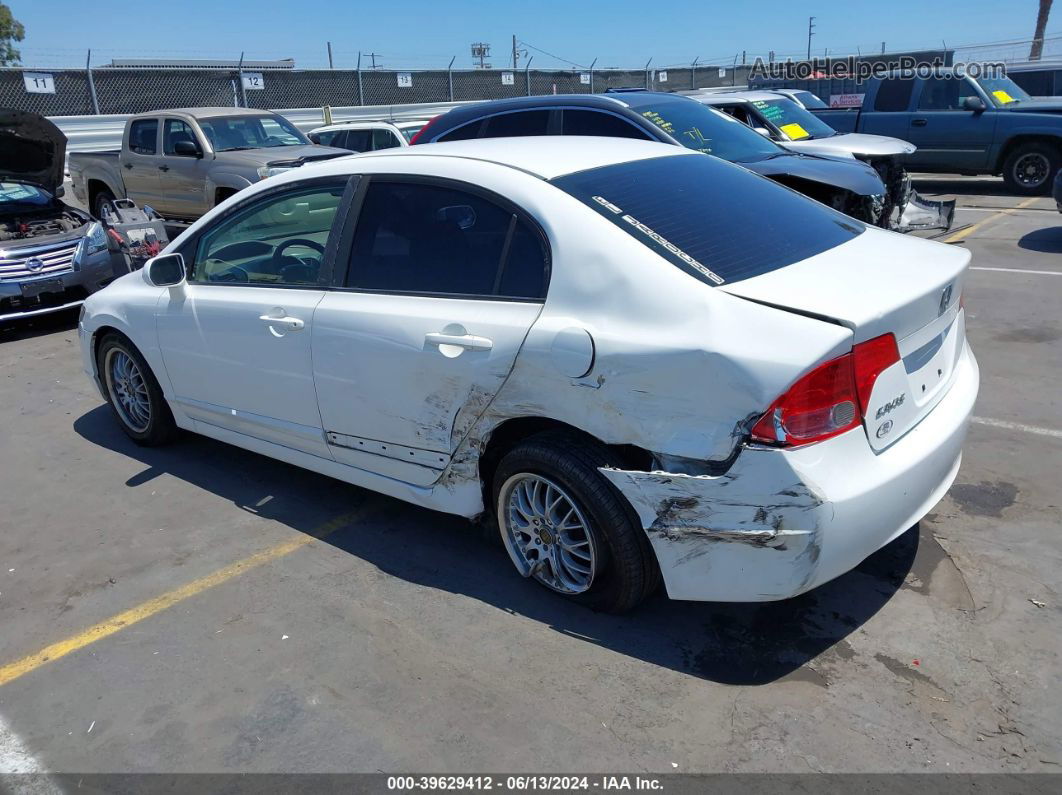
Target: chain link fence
(109, 90)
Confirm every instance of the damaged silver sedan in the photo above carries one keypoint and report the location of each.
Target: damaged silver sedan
(737, 391)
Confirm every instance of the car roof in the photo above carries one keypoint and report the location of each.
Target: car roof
(546, 156)
(738, 96)
(206, 113)
(357, 123)
(626, 99)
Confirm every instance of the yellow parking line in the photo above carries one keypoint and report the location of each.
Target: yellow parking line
(127, 618)
(962, 234)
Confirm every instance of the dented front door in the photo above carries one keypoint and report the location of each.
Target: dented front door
(401, 378)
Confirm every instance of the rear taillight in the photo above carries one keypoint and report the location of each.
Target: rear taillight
(829, 400)
(421, 132)
(870, 359)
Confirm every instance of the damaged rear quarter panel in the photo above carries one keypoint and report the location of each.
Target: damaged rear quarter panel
(752, 534)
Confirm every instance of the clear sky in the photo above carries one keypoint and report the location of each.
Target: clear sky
(426, 33)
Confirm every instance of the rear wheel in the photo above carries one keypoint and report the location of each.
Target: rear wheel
(1029, 169)
(568, 528)
(133, 394)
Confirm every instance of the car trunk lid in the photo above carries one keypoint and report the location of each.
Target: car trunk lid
(882, 283)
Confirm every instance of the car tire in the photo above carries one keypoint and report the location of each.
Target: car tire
(102, 197)
(603, 535)
(1030, 168)
(133, 393)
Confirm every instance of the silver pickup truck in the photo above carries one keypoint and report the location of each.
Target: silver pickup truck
(183, 162)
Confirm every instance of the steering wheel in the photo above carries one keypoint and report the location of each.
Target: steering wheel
(278, 252)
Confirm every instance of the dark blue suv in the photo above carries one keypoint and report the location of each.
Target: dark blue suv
(846, 185)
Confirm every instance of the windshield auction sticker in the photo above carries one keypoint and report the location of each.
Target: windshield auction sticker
(794, 131)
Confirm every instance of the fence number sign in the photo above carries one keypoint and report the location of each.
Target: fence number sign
(508, 79)
(584, 78)
(39, 82)
(661, 76)
(722, 72)
(253, 80)
(405, 80)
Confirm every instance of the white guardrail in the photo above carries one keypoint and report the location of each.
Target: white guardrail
(98, 133)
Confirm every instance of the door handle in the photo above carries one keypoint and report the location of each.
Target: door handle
(919, 122)
(466, 341)
(284, 321)
(164, 168)
(128, 165)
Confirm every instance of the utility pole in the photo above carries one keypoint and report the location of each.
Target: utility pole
(811, 27)
(1037, 48)
(374, 56)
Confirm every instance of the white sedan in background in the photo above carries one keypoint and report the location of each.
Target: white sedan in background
(367, 136)
(737, 389)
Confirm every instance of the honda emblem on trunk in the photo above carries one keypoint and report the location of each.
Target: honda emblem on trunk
(945, 300)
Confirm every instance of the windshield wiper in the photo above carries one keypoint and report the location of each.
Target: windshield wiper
(237, 148)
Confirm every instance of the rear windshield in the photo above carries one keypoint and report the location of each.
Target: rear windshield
(718, 222)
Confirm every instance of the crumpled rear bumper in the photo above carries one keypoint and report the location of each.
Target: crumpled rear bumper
(781, 522)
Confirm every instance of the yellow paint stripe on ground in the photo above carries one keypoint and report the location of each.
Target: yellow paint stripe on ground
(134, 615)
(962, 234)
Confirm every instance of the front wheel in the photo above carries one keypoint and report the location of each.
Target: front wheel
(133, 394)
(568, 528)
(103, 199)
(1029, 169)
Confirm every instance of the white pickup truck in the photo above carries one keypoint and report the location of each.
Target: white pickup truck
(183, 162)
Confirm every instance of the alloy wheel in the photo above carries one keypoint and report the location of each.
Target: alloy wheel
(546, 533)
(128, 390)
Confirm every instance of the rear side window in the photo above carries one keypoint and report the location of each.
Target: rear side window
(143, 136)
(894, 94)
(527, 122)
(430, 238)
(594, 122)
(714, 220)
(464, 133)
(383, 139)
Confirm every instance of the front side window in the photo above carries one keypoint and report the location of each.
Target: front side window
(944, 93)
(176, 130)
(809, 100)
(233, 133)
(717, 222)
(328, 137)
(436, 239)
(143, 136)
(359, 140)
(597, 122)
(279, 240)
(525, 122)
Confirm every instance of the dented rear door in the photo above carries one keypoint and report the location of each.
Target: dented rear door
(441, 286)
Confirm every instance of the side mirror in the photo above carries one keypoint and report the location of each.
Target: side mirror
(60, 192)
(165, 270)
(186, 149)
(976, 104)
(763, 131)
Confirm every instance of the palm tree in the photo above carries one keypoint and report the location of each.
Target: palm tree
(1041, 26)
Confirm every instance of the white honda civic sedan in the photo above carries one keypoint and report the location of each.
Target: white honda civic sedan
(641, 361)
